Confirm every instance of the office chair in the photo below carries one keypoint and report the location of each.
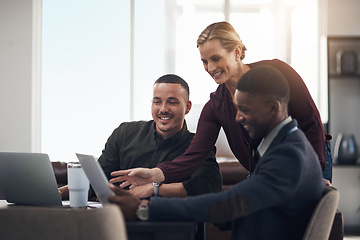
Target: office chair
(321, 221)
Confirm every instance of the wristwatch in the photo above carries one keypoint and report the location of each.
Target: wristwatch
(156, 188)
(142, 212)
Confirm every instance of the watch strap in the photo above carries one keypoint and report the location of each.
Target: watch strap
(156, 188)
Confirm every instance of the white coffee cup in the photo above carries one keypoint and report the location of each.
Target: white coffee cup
(78, 185)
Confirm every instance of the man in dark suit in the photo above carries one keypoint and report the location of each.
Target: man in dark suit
(277, 200)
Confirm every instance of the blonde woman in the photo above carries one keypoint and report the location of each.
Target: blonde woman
(222, 53)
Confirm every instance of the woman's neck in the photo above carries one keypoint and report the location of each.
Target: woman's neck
(231, 84)
(231, 87)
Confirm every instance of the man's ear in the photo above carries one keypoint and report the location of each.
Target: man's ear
(188, 107)
(275, 106)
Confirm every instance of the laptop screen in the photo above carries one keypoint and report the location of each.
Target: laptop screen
(28, 179)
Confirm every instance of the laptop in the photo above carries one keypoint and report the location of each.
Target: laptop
(28, 179)
(96, 176)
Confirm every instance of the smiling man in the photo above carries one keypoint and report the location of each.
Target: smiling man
(148, 143)
(169, 105)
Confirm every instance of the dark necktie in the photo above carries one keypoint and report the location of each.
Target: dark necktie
(256, 155)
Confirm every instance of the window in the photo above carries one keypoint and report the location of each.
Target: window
(101, 58)
(268, 28)
(85, 75)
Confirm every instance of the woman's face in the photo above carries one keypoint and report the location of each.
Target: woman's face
(218, 62)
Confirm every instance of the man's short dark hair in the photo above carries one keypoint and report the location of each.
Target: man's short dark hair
(172, 78)
(266, 81)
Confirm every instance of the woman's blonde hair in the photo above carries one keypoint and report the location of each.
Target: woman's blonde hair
(227, 35)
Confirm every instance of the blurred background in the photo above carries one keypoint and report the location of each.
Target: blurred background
(101, 58)
(72, 71)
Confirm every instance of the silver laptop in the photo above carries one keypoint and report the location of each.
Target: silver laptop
(28, 179)
(96, 176)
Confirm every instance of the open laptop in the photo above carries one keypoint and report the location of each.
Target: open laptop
(28, 179)
(96, 176)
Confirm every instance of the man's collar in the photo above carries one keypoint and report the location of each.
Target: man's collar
(265, 143)
(180, 134)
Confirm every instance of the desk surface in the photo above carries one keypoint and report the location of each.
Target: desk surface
(142, 230)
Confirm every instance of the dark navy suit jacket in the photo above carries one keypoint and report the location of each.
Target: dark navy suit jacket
(275, 202)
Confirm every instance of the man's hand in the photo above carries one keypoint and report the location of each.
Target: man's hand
(64, 192)
(137, 176)
(127, 202)
(327, 182)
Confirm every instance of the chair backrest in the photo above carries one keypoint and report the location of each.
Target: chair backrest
(41, 223)
(321, 221)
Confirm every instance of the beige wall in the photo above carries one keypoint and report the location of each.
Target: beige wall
(343, 17)
(17, 76)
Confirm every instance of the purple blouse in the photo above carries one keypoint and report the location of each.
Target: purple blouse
(220, 111)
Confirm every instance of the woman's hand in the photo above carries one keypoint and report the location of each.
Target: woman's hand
(137, 176)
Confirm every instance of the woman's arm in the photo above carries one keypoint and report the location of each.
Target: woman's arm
(203, 142)
(183, 166)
